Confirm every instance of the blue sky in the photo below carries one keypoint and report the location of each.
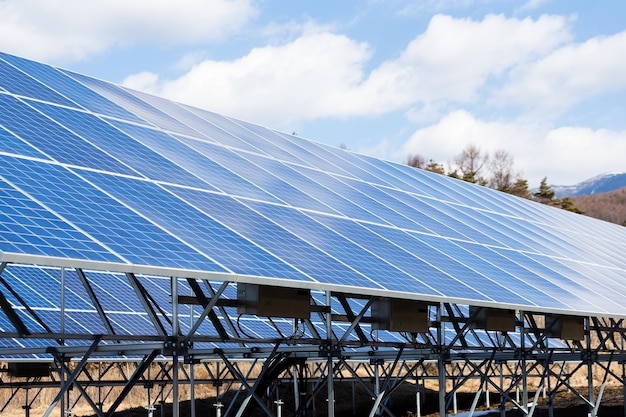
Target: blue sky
(544, 80)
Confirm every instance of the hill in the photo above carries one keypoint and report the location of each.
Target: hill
(599, 184)
(610, 206)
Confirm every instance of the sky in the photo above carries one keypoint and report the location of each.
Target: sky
(544, 80)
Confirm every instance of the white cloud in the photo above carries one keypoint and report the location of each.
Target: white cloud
(74, 29)
(454, 58)
(321, 74)
(310, 77)
(569, 75)
(565, 155)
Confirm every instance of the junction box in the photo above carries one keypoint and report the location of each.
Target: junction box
(267, 301)
(495, 319)
(565, 327)
(399, 315)
(28, 369)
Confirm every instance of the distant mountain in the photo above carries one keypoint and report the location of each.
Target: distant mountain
(596, 185)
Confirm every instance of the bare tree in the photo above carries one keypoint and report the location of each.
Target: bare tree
(503, 175)
(470, 164)
(416, 161)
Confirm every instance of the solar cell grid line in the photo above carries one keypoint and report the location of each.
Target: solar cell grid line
(113, 292)
(177, 111)
(49, 137)
(108, 222)
(403, 179)
(81, 95)
(533, 281)
(132, 103)
(11, 144)
(275, 239)
(357, 206)
(382, 274)
(244, 139)
(84, 322)
(464, 224)
(19, 83)
(435, 249)
(608, 278)
(217, 176)
(334, 164)
(137, 158)
(221, 136)
(131, 324)
(278, 146)
(589, 244)
(425, 274)
(29, 228)
(448, 186)
(33, 285)
(485, 274)
(472, 195)
(379, 203)
(607, 297)
(520, 238)
(546, 239)
(437, 223)
(571, 293)
(314, 189)
(321, 158)
(255, 174)
(233, 252)
(265, 139)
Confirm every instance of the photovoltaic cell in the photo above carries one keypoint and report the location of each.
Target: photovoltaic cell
(99, 216)
(19, 83)
(30, 228)
(262, 178)
(48, 136)
(275, 239)
(11, 144)
(93, 171)
(233, 252)
(136, 106)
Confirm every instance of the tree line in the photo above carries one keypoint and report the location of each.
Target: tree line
(496, 171)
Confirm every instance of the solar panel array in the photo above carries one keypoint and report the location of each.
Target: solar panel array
(95, 175)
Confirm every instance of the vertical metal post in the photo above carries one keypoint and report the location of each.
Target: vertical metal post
(523, 362)
(175, 364)
(441, 362)
(502, 398)
(329, 377)
(589, 363)
(62, 329)
(192, 388)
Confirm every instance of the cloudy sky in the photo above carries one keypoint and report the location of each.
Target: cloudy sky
(542, 79)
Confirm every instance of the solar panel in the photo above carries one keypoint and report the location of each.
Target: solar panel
(94, 174)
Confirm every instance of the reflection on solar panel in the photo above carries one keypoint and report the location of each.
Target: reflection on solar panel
(93, 174)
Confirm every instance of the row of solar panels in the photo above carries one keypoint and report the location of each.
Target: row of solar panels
(90, 171)
(35, 294)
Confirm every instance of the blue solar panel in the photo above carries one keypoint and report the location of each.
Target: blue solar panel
(274, 238)
(207, 236)
(11, 144)
(30, 228)
(107, 221)
(262, 178)
(71, 89)
(126, 100)
(48, 136)
(143, 160)
(93, 171)
(19, 83)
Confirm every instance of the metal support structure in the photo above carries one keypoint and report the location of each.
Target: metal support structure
(509, 364)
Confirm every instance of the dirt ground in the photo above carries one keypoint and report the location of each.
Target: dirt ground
(403, 405)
